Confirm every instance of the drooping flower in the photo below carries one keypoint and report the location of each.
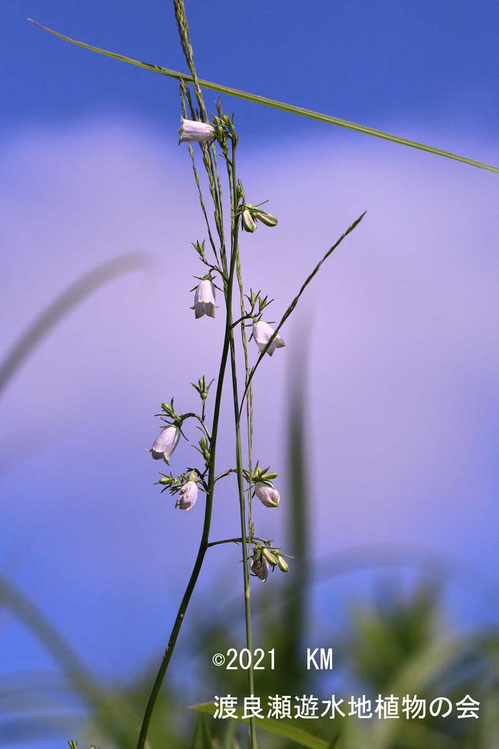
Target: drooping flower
(262, 332)
(188, 496)
(259, 565)
(193, 131)
(267, 494)
(165, 443)
(204, 299)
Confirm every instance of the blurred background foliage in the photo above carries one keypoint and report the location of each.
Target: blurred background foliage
(395, 639)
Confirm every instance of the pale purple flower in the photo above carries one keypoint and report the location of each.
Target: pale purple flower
(166, 443)
(193, 131)
(259, 565)
(204, 299)
(188, 496)
(267, 494)
(262, 332)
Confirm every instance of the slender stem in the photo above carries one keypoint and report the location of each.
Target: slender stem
(239, 459)
(238, 541)
(295, 301)
(249, 399)
(203, 545)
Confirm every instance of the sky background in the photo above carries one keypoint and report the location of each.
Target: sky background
(401, 325)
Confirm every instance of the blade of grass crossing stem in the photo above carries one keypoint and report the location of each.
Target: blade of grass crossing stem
(290, 108)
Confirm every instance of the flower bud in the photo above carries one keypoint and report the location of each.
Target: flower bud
(267, 494)
(262, 333)
(166, 443)
(248, 222)
(259, 565)
(188, 496)
(168, 409)
(204, 299)
(192, 131)
(266, 218)
(282, 564)
(268, 476)
(269, 556)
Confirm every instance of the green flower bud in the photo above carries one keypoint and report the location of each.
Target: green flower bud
(266, 218)
(268, 476)
(248, 223)
(270, 557)
(282, 564)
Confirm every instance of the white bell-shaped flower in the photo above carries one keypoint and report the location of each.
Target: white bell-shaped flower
(267, 494)
(188, 496)
(204, 299)
(262, 332)
(166, 443)
(193, 131)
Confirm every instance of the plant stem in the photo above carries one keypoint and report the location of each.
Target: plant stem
(249, 399)
(239, 459)
(203, 545)
(236, 541)
(295, 301)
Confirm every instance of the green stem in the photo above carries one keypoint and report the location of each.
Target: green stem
(237, 541)
(293, 304)
(239, 458)
(203, 545)
(249, 399)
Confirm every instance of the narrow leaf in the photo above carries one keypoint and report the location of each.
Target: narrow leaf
(61, 306)
(277, 727)
(257, 99)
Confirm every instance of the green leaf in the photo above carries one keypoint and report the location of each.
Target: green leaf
(257, 99)
(61, 306)
(202, 735)
(277, 727)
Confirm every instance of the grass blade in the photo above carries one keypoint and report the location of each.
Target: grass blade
(61, 306)
(292, 109)
(277, 727)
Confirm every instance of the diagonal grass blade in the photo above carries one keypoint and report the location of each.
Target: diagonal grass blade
(257, 99)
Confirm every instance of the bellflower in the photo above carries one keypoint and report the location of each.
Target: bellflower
(204, 299)
(267, 494)
(193, 131)
(259, 565)
(166, 443)
(188, 496)
(262, 332)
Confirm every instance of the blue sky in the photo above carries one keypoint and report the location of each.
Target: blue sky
(373, 62)
(404, 360)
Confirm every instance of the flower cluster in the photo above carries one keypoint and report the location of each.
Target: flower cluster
(186, 486)
(264, 558)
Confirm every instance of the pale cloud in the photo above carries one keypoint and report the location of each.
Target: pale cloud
(403, 356)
